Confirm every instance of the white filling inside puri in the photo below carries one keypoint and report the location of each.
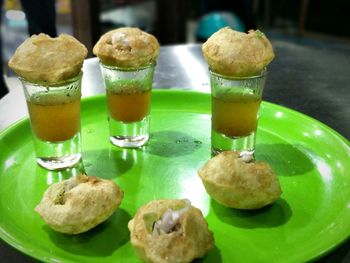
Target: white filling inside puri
(120, 38)
(170, 220)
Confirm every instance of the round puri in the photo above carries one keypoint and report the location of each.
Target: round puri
(76, 205)
(127, 47)
(238, 54)
(234, 183)
(42, 59)
(191, 240)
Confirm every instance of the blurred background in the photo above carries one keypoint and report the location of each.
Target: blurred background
(174, 21)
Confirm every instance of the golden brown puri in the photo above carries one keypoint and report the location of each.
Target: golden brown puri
(42, 59)
(170, 230)
(127, 47)
(78, 204)
(238, 54)
(237, 184)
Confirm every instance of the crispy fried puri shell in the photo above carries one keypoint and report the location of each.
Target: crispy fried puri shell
(42, 59)
(238, 54)
(127, 47)
(76, 205)
(191, 240)
(233, 183)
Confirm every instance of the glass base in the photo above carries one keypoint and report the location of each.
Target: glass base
(58, 155)
(129, 141)
(59, 163)
(244, 145)
(129, 135)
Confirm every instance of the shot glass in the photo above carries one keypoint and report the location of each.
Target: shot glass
(235, 111)
(129, 100)
(54, 112)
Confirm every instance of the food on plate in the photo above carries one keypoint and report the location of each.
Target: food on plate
(235, 182)
(45, 60)
(232, 53)
(127, 47)
(127, 57)
(78, 204)
(170, 230)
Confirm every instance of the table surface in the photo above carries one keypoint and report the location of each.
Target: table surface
(311, 77)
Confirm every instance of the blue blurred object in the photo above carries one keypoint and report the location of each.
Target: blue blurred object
(212, 22)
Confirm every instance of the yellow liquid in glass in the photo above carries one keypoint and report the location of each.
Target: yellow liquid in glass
(235, 115)
(55, 123)
(129, 106)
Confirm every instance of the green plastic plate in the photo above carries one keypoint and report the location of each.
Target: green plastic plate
(312, 161)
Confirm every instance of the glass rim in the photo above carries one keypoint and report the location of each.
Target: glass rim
(55, 84)
(262, 74)
(149, 65)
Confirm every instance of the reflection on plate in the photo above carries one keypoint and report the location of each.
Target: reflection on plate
(311, 160)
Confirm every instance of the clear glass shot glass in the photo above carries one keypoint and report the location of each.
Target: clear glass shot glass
(235, 103)
(54, 112)
(128, 93)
